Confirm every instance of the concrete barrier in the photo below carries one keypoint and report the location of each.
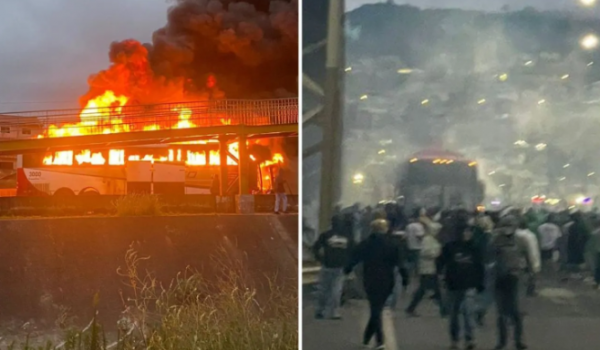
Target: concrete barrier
(65, 261)
(177, 204)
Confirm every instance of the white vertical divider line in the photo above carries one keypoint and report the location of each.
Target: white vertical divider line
(300, 160)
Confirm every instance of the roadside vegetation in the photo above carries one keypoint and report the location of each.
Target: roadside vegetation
(223, 313)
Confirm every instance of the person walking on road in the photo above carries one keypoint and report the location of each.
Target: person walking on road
(510, 251)
(463, 265)
(332, 249)
(430, 252)
(380, 256)
(280, 196)
(595, 252)
(415, 231)
(579, 234)
(483, 240)
(398, 236)
(533, 249)
(549, 233)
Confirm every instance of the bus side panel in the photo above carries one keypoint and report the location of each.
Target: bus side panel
(48, 182)
(164, 178)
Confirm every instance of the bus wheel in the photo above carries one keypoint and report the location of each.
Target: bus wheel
(89, 191)
(64, 192)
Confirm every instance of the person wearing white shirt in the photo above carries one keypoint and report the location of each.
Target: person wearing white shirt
(549, 234)
(533, 251)
(415, 232)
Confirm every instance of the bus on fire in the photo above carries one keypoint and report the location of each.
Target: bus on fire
(170, 169)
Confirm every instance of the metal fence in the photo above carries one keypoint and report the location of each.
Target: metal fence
(167, 116)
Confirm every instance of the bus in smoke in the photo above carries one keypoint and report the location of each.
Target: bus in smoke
(435, 178)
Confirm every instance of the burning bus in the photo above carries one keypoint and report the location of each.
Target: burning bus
(437, 178)
(181, 167)
(166, 169)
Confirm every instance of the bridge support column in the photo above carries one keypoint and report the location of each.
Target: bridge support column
(224, 177)
(331, 121)
(243, 165)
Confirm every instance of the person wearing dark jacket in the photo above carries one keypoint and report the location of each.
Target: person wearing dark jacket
(332, 250)
(463, 267)
(510, 250)
(579, 234)
(483, 239)
(280, 196)
(380, 257)
(398, 237)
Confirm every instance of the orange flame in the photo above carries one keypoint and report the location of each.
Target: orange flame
(86, 156)
(59, 158)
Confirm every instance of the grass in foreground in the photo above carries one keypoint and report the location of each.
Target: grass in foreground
(192, 313)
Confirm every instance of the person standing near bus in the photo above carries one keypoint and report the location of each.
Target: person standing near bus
(280, 196)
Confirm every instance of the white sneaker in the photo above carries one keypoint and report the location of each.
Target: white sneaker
(380, 347)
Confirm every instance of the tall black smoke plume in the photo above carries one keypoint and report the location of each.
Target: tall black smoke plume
(208, 49)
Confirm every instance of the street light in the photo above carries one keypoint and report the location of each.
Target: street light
(358, 179)
(587, 3)
(589, 42)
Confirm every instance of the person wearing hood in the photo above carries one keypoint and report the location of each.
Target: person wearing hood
(332, 249)
(430, 252)
(380, 257)
(534, 254)
(462, 263)
(510, 250)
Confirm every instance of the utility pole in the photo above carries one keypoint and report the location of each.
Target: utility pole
(332, 126)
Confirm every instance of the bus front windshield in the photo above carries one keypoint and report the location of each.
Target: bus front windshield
(428, 184)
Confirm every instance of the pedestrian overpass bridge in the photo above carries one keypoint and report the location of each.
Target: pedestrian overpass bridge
(109, 127)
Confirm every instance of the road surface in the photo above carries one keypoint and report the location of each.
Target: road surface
(563, 316)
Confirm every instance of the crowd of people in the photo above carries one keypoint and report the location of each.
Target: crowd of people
(468, 260)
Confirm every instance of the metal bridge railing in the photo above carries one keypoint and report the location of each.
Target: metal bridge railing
(75, 122)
